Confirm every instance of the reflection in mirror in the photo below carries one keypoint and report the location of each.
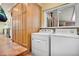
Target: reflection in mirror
(67, 16)
(63, 16)
(52, 19)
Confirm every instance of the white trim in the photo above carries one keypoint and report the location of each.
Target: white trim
(45, 19)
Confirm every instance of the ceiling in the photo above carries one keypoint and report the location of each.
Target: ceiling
(7, 6)
(49, 5)
(44, 6)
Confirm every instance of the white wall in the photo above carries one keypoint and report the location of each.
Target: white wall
(77, 14)
(8, 23)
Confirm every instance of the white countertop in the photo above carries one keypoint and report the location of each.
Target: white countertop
(61, 27)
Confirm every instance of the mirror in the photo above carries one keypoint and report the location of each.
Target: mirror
(63, 16)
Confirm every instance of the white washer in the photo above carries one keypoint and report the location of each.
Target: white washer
(40, 44)
(64, 45)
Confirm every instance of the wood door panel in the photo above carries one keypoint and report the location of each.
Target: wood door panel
(36, 17)
(24, 7)
(24, 17)
(20, 29)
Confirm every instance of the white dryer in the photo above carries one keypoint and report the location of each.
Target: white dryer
(40, 43)
(64, 45)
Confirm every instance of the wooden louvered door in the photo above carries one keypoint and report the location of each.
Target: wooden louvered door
(25, 21)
